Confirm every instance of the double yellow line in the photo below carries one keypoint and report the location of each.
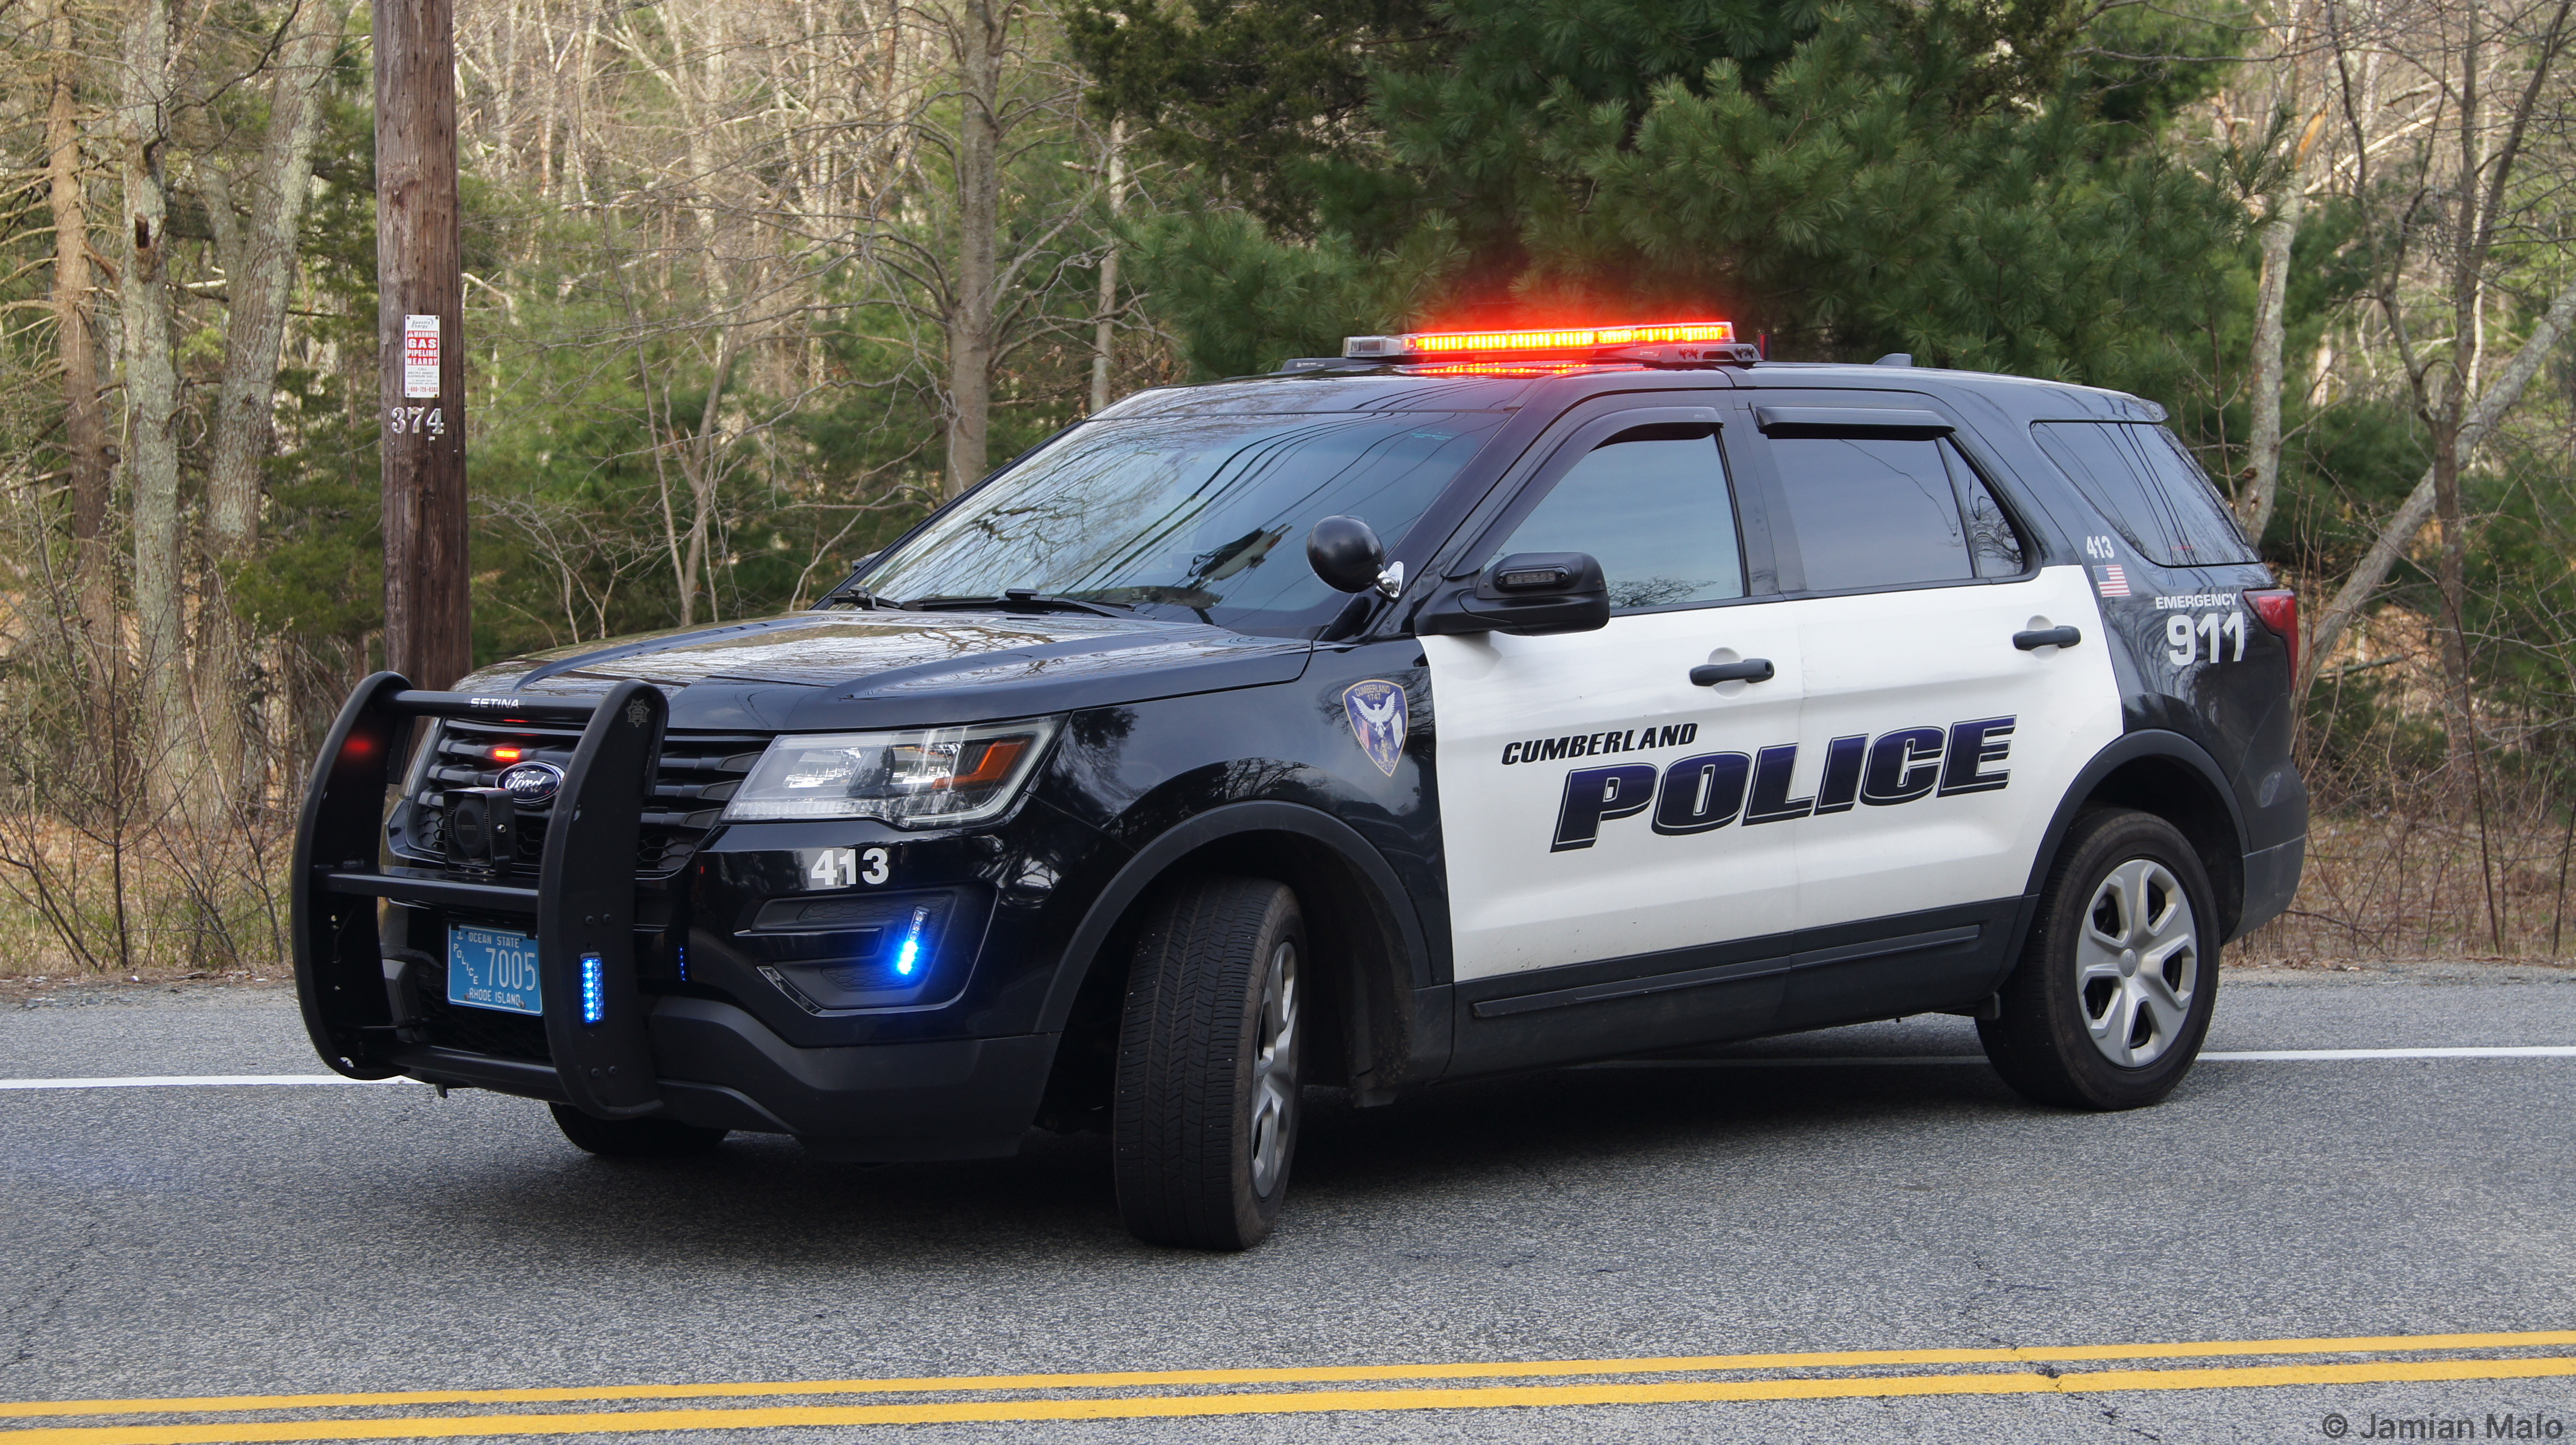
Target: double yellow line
(1844, 1374)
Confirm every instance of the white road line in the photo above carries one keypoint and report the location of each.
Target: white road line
(2261, 1056)
(187, 1081)
(2301, 1056)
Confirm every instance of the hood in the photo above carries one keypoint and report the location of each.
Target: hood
(863, 669)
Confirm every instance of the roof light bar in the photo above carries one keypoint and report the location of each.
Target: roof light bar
(1664, 341)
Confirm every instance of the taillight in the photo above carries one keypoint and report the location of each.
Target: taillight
(2277, 608)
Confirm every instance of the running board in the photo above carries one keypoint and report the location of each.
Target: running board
(584, 901)
(1494, 1008)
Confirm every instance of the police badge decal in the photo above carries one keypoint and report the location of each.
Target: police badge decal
(1376, 711)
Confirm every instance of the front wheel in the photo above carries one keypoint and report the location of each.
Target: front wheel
(1204, 1123)
(2112, 997)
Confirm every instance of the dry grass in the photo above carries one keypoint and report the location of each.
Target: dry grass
(143, 903)
(2389, 885)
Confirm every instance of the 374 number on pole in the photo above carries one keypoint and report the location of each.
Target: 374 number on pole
(416, 420)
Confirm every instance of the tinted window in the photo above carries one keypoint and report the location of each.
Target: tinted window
(1992, 538)
(1187, 517)
(2150, 488)
(1652, 506)
(1870, 512)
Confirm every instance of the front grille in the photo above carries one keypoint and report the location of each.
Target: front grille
(696, 774)
(474, 1030)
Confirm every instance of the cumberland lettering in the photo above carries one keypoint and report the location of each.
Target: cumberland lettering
(1587, 745)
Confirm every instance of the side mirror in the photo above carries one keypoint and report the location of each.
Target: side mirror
(1346, 553)
(1527, 593)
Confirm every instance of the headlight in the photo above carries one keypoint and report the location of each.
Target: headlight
(925, 778)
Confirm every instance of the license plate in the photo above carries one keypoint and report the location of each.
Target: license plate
(493, 968)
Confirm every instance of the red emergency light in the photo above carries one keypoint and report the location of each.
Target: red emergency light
(1666, 342)
(1503, 368)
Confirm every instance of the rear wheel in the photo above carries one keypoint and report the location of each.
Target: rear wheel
(646, 1138)
(1204, 1124)
(2112, 997)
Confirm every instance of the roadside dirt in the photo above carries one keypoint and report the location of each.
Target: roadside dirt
(87, 990)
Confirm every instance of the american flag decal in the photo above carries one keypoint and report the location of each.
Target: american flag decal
(2114, 583)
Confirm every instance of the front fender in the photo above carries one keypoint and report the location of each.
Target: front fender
(1393, 1034)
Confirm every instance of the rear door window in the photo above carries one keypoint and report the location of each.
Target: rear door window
(1872, 511)
(2139, 476)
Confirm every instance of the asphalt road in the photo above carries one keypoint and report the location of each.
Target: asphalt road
(265, 1240)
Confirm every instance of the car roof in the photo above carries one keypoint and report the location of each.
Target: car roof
(1341, 387)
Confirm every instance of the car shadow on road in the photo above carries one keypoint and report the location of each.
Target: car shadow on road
(762, 1200)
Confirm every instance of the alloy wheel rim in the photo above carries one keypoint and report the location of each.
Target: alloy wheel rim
(2137, 963)
(1274, 1068)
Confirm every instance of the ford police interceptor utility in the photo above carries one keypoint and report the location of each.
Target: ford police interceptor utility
(1471, 702)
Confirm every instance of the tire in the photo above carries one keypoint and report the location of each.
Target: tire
(646, 1138)
(1203, 1126)
(2112, 997)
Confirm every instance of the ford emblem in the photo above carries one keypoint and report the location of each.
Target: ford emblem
(532, 782)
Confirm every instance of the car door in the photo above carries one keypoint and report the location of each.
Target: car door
(1934, 746)
(1593, 798)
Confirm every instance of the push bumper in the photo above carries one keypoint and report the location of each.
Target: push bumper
(604, 1045)
(718, 1067)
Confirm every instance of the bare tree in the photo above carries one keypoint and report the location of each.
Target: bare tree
(2399, 531)
(983, 274)
(100, 645)
(259, 265)
(2285, 205)
(152, 397)
(2454, 196)
(1105, 328)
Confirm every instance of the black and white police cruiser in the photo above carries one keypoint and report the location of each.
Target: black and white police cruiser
(1468, 703)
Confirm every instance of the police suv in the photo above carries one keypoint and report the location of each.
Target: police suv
(1471, 702)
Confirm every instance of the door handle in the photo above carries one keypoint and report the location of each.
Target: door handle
(1751, 669)
(2047, 637)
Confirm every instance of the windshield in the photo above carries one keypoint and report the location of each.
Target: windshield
(1190, 518)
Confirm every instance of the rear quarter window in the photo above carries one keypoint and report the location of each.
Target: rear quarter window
(2140, 477)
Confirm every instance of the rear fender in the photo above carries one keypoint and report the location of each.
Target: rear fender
(2208, 814)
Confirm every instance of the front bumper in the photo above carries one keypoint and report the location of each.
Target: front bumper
(718, 1067)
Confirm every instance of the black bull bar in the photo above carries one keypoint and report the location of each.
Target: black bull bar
(583, 904)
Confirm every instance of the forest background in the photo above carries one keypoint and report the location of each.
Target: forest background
(751, 284)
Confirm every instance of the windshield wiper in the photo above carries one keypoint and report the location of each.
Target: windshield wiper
(856, 596)
(1018, 599)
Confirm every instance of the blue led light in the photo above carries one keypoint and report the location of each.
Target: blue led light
(681, 955)
(594, 989)
(908, 957)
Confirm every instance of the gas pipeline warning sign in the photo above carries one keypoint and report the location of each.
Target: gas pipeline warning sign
(420, 356)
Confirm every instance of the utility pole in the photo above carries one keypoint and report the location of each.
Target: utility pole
(419, 307)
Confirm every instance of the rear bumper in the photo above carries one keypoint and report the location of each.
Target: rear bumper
(2271, 880)
(717, 1066)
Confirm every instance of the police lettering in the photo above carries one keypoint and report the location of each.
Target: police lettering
(1593, 745)
(1711, 790)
